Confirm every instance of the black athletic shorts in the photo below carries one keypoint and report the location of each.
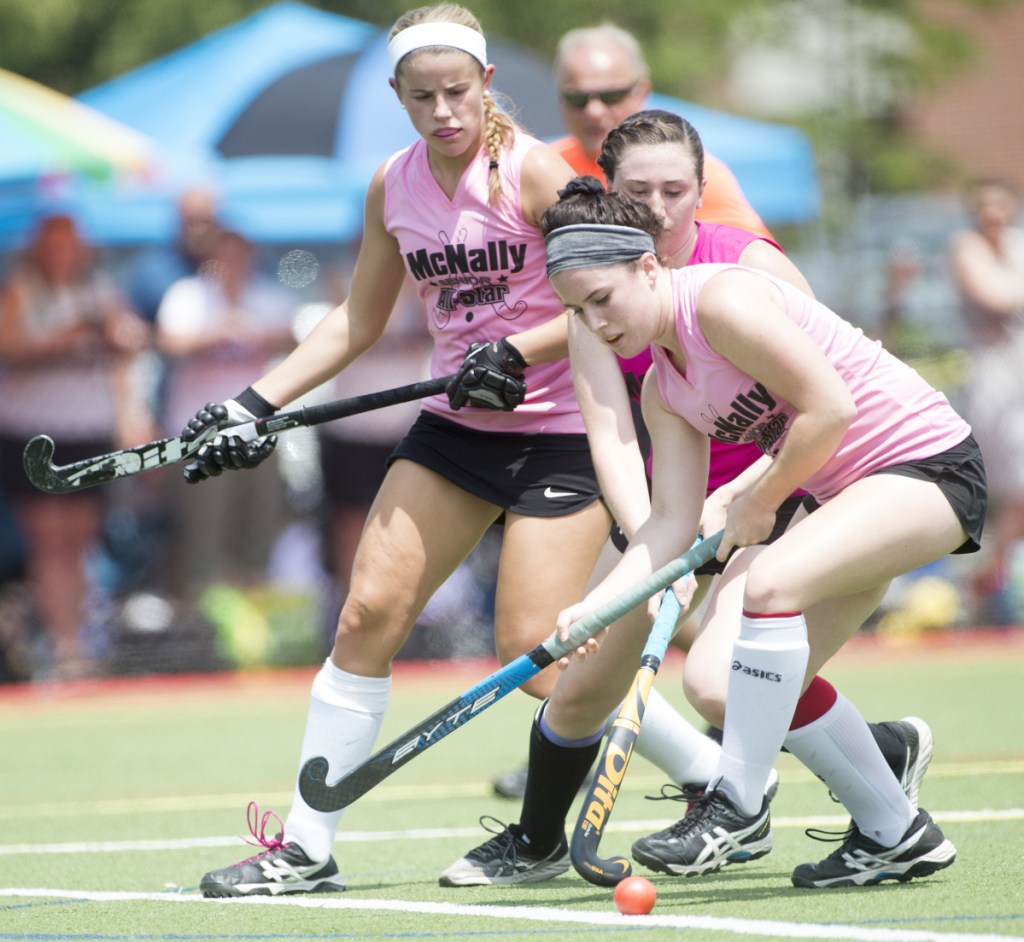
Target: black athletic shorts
(534, 475)
(959, 473)
(713, 567)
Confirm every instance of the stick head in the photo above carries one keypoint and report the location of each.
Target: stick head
(598, 870)
(38, 462)
(313, 785)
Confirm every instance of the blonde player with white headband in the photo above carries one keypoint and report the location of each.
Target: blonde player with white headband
(457, 212)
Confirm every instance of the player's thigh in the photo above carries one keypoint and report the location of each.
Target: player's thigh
(832, 622)
(419, 528)
(544, 567)
(877, 528)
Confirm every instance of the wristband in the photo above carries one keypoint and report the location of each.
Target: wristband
(257, 406)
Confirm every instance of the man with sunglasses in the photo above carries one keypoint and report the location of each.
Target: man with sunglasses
(602, 78)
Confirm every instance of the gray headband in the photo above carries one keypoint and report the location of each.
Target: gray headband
(593, 246)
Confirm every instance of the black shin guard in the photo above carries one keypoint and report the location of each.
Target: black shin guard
(555, 776)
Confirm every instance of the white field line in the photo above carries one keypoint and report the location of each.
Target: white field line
(539, 914)
(419, 834)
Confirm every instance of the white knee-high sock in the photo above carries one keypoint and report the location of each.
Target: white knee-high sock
(345, 716)
(839, 748)
(768, 666)
(683, 753)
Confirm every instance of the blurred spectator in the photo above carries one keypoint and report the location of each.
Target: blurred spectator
(987, 264)
(217, 329)
(155, 269)
(67, 343)
(904, 265)
(136, 537)
(15, 642)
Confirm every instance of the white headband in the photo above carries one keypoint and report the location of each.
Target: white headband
(437, 34)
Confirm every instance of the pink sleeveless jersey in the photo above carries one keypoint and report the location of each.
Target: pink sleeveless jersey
(715, 243)
(899, 416)
(479, 271)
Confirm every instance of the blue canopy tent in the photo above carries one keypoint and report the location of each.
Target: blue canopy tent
(288, 113)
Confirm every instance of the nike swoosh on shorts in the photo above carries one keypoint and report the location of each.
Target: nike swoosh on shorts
(551, 493)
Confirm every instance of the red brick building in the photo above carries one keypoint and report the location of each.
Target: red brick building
(977, 117)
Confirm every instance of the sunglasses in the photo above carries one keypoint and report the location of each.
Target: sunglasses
(580, 100)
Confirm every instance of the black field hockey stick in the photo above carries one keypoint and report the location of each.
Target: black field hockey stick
(618, 749)
(318, 794)
(63, 479)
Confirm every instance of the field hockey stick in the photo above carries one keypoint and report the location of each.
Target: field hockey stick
(318, 794)
(63, 479)
(611, 767)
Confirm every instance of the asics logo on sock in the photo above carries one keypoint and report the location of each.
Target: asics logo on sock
(552, 494)
(757, 672)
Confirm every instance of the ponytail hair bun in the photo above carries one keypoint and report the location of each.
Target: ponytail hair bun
(582, 186)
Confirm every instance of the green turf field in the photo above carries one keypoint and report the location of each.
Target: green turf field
(116, 798)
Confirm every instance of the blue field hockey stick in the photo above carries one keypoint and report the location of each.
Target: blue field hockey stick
(320, 795)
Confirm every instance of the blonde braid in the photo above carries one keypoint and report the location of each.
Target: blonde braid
(499, 131)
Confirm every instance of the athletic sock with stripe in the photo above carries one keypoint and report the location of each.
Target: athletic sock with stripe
(840, 749)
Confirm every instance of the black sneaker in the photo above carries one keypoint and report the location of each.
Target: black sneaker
(917, 736)
(280, 869)
(505, 859)
(910, 762)
(860, 861)
(712, 834)
(692, 792)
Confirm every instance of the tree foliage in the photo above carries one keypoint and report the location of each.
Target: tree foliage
(73, 46)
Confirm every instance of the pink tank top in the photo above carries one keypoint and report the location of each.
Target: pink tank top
(899, 416)
(715, 243)
(479, 271)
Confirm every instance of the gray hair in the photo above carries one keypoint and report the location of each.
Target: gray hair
(606, 33)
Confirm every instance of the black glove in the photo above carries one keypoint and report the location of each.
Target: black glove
(228, 452)
(491, 376)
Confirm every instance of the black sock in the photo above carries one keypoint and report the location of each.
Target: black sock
(555, 775)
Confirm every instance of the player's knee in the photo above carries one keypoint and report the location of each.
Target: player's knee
(363, 623)
(707, 697)
(575, 716)
(770, 587)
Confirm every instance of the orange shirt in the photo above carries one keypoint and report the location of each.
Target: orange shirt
(722, 202)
